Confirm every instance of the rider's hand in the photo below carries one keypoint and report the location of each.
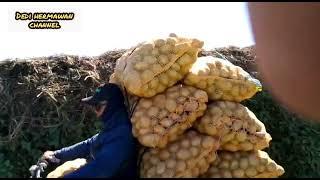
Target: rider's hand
(49, 155)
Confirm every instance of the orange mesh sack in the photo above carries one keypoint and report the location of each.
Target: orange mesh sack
(250, 164)
(160, 119)
(222, 80)
(189, 156)
(151, 67)
(236, 125)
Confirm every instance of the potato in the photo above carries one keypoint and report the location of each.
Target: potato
(181, 166)
(150, 59)
(150, 139)
(234, 164)
(145, 103)
(185, 143)
(271, 166)
(196, 141)
(153, 111)
(161, 100)
(241, 136)
(173, 147)
(183, 154)
(207, 142)
(171, 163)
(166, 122)
(230, 147)
(202, 163)
(202, 85)
(195, 172)
(168, 115)
(151, 172)
(251, 172)
(144, 122)
(159, 42)
(224, 164)
(173, 74)
(246, 146)
(144, 131)
(175, 160)
(155, 52)
(141, 66)
(159, 130)
(176, 67)
(185, 92)
(246, 164)
(238, 173)
(261, 168)
(171, 105)
(238, 128)
(227, 156)
(191, 105)
(146, 75)
(161, 167)
(180, 47)
(226, 174)
(171, 40)
(166, 59)
(194, 151)
(253, 160)
(222, 80)
(163, 59)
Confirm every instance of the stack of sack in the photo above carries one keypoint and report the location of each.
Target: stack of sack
(187, 112)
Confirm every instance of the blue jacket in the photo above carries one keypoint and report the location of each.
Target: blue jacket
(112, 152)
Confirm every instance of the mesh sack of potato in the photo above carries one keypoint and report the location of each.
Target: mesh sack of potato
(160, 119)
(151, 67)
(67, 167)
(237, 127)
(222, 80)
(244, 164)
(189, 156)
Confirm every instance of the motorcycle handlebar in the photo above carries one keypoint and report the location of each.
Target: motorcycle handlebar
(37, 169)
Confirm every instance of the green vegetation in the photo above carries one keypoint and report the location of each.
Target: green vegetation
(295, 142)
